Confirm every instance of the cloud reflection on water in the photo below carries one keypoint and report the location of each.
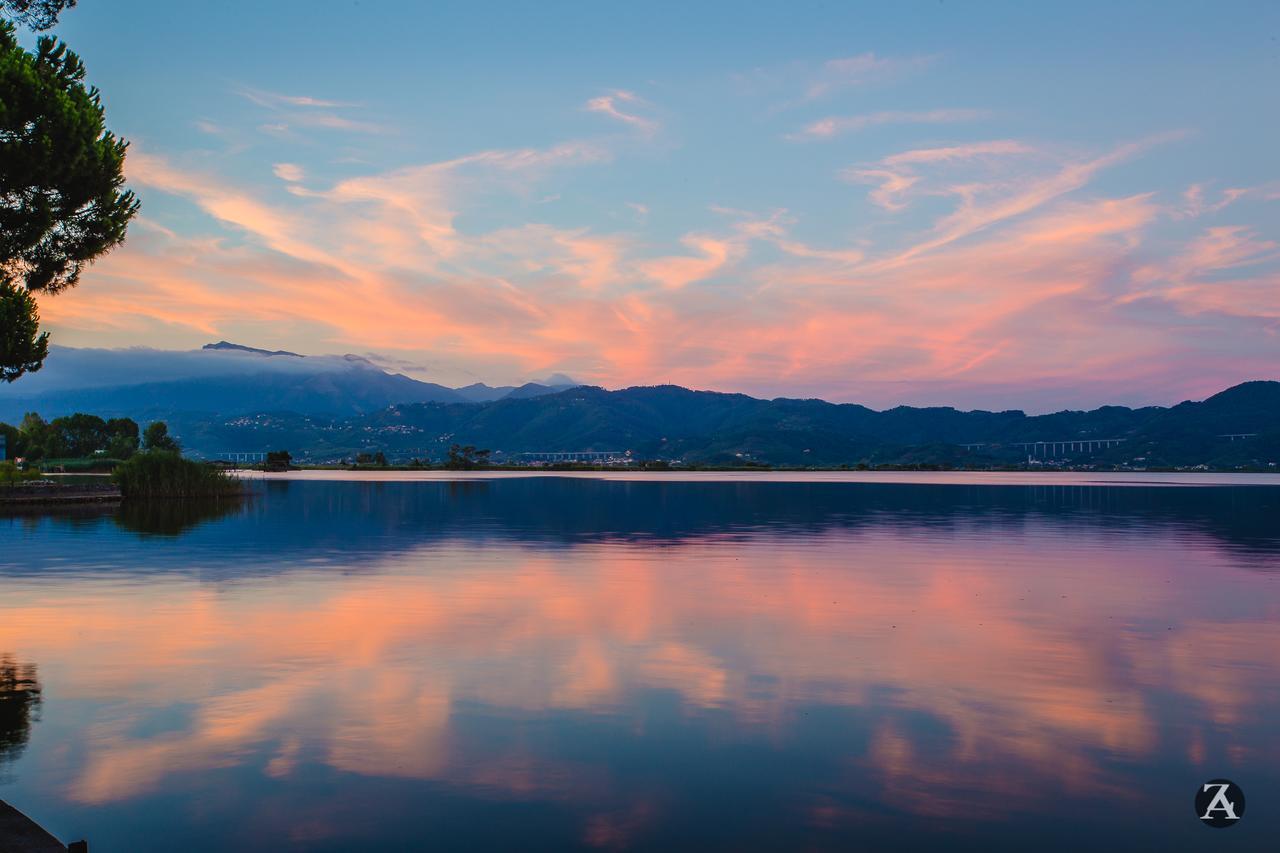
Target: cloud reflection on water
(873, 665)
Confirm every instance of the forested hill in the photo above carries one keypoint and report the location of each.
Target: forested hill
(704, 427)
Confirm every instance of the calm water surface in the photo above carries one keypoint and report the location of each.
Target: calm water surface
(560, 663)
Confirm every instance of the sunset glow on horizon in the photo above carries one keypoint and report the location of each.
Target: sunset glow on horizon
(987, 206)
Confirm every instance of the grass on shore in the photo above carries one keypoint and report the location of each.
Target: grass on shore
(164, 474)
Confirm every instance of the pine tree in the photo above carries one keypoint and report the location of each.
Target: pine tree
(62, 196)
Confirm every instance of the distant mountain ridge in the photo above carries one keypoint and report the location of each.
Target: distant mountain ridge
(231, 397)
(225, 379)
(706, 427)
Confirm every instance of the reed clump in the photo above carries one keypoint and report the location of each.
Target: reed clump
(165, 474)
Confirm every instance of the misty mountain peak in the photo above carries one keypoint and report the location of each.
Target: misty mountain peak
(227, 345)
(558, 380)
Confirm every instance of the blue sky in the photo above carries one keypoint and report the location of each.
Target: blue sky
(977, 204)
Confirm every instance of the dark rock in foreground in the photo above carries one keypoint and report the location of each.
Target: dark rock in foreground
(20, 834)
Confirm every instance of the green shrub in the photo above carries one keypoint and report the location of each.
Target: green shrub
(165, 474)
(12, 475)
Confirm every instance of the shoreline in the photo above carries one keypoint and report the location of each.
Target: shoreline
(59, 494)
(954, 478)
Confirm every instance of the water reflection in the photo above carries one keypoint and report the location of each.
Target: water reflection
(443, 668)
(19, 706)
(352, 522)
(172, 517)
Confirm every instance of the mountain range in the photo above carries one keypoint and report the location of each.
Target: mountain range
(1239, 427)
(223, 379)
(233, 398)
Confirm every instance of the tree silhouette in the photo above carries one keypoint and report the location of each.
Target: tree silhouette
(466, 457)
(36, 14)
(157, 438)
(62, 196)
(23, 346)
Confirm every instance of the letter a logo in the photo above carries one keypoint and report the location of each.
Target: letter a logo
(1219, 803)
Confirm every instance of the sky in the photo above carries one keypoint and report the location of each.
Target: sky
(983, 205)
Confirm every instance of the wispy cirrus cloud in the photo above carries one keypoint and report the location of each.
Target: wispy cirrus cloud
(615, 104)
(895, 176)
(891, 186)
(833, 126)
(289, 125)
(797, 84)
(1223, 270)
(290, 172)
(847, 72)
(957, 152)
(290, 112)
(329, 121)
(226, 203)
(1196, 199)
(981, 206)
(276, 100)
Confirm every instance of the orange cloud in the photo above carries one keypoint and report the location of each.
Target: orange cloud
(676, 271)
(396, 261)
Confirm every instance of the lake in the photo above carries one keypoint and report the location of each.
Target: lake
(627, 662)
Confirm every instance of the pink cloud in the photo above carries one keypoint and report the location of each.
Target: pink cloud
(306, 111)
(677, 271)
(275, 99)
(1204, 277)
(896, 176)
(1196, 201)
(609, 105)
(1026, 283)
(957, 152)
(976, 215)
(892, 186)
(290, 172)
(833, 126)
